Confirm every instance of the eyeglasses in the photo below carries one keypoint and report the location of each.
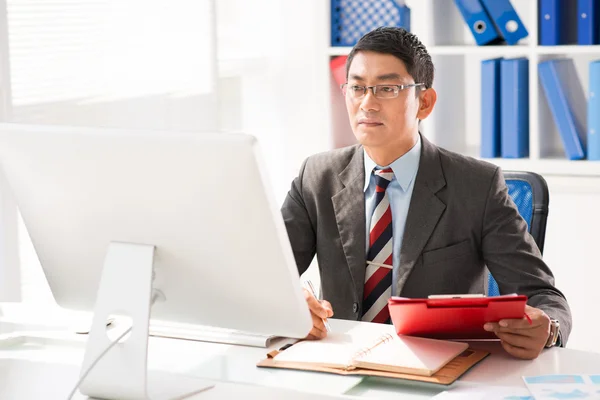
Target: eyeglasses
(379, 91)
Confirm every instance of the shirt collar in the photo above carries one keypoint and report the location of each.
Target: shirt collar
(405, 167)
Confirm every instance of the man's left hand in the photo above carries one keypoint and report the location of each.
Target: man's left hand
(520, 337)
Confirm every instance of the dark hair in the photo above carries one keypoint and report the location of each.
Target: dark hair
(401, 44)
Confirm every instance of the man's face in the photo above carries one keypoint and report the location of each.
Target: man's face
(381, 122)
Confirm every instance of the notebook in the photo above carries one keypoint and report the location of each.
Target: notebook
(393, 353)
(376, 350)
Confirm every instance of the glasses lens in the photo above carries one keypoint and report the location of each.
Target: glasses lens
(386, 91)
(355, 90)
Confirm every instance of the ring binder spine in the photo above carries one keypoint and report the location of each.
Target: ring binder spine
(367, 349)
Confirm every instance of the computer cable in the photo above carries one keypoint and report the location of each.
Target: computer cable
(156, 295)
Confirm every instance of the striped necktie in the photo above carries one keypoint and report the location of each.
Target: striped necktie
(378, 276)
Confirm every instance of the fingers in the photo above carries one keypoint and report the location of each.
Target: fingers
(327, 306)
(322, 309)
(514, 324)
(318, 331)
(530, 331)
(522, 343)
(519, 352)
(534, 317)
(515, 340)
(523, 337)
(538, 327)
(319, 310)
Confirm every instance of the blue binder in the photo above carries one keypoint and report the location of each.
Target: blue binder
(557, 22)
(514, 113)
(588, 28)
(478, 21)
(506, 19)
(404, 17)
(593, 110)
(567, 103)
(351, 19)
(490, 108)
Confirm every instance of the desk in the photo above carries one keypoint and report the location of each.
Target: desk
(236, 364)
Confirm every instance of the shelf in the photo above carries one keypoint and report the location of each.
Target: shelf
(518, 50)
(574, 49)
(547, 167)
(479, 50)
(455, 50)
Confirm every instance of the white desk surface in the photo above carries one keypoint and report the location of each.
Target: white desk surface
(50, 367)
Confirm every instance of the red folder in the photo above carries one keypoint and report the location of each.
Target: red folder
(338, 68)
(453, 318)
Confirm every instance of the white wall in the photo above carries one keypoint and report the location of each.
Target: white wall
(571, 251)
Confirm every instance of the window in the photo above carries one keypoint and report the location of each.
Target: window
(114, 63)
(124, 63)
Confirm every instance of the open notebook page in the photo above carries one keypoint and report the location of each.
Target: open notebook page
(337, 349)
(410, 355)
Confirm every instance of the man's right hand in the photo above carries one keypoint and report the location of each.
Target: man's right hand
(319, 310)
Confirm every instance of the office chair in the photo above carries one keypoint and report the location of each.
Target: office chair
(529, 192)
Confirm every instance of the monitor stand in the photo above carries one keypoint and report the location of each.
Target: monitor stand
(122, 373)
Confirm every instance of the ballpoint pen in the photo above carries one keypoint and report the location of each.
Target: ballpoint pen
(314, 293)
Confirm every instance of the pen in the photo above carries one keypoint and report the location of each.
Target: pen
(312, 290)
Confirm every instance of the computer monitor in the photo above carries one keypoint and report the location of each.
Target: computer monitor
(192, 213)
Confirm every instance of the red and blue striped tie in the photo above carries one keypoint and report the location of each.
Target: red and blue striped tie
(378, 276)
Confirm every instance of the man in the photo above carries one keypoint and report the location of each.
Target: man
(396, 215)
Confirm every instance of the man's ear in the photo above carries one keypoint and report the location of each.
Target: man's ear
(427, 99)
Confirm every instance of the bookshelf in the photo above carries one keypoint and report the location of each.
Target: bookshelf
(456, 120)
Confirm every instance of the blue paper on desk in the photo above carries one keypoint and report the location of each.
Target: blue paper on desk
(552, 387)
(485, 393)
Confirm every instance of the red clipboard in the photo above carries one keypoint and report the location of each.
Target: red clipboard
(453, 318)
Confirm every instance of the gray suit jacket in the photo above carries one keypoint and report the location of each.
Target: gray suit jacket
(460, 220)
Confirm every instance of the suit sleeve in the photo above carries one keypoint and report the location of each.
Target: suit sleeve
(514, 259)
(298, 224)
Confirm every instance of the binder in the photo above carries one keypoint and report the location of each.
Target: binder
(506, 19)
(593, 137)
(351, 19)
(567, 103)
(404, 12)
(514, 113)
(490, 108)
(557, 20)
(478, 21)
(588, 28)
(453, 318)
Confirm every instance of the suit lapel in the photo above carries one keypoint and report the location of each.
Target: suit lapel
(349, 208)
(424, 211)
